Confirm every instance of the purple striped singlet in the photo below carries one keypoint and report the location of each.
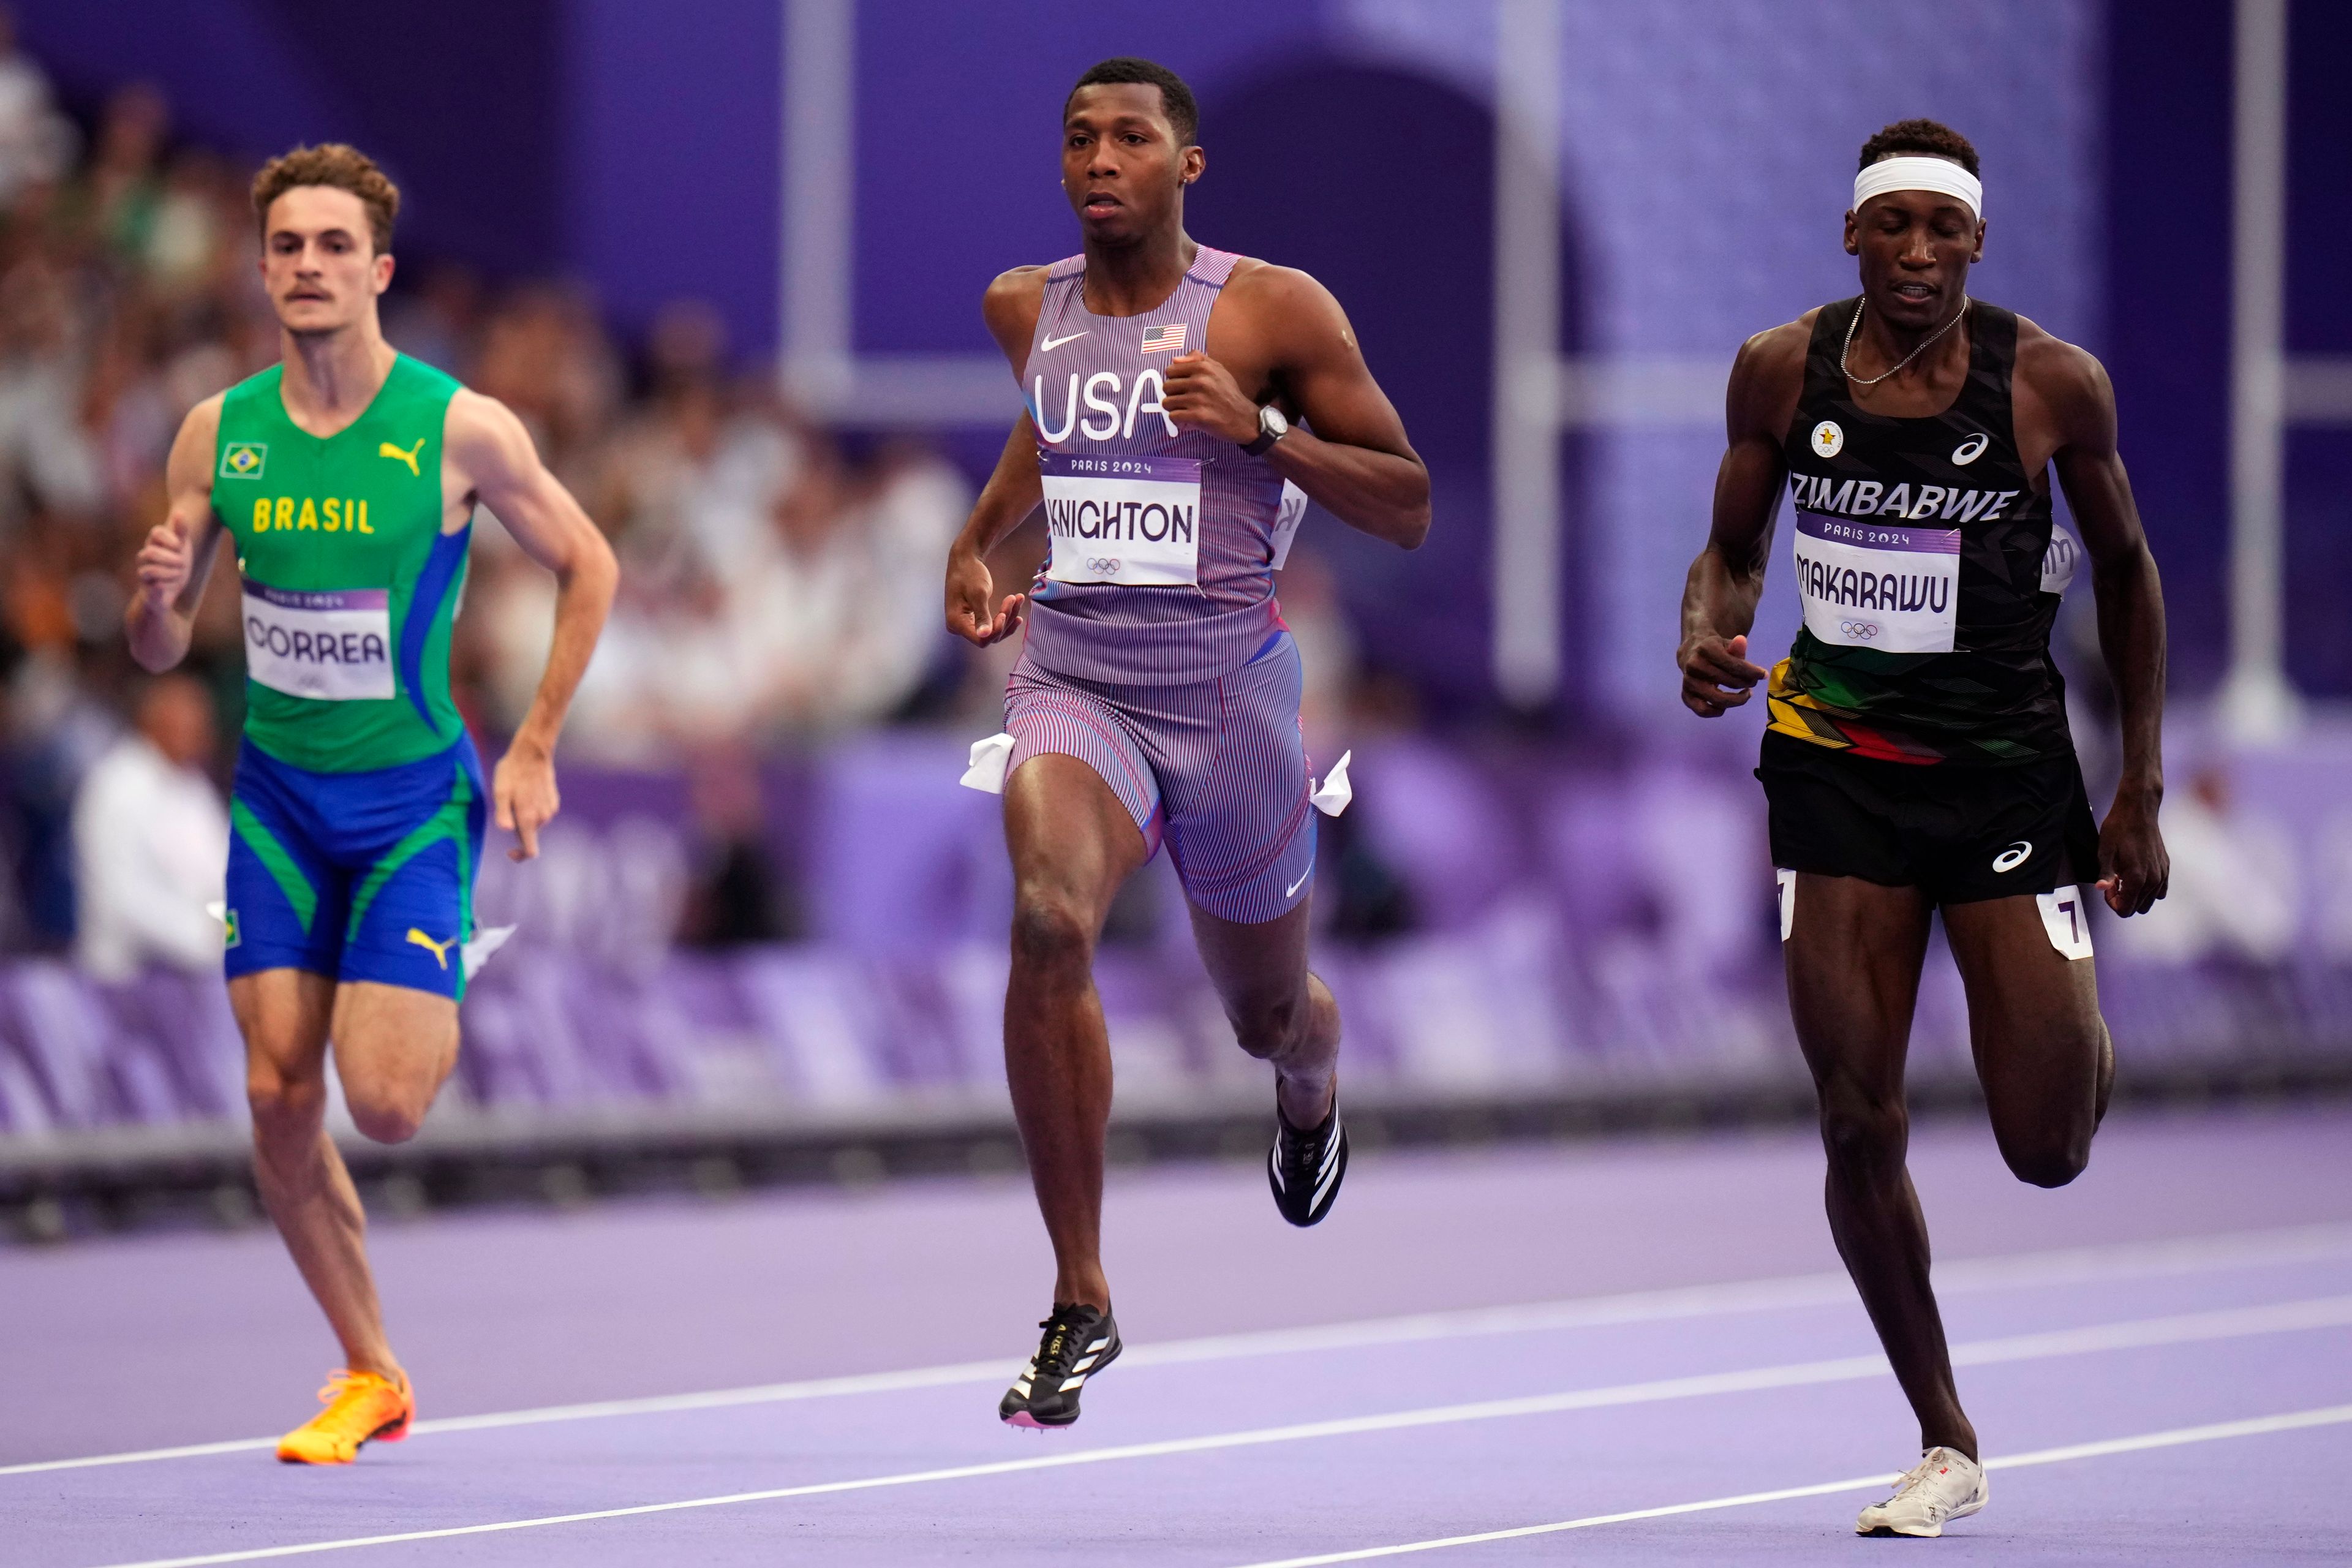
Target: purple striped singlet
(1093, 391)
(1183, 697)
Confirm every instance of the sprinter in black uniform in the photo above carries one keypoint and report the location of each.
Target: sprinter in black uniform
(1917, 756)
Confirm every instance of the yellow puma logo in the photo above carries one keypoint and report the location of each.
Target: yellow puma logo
(386, 449)
(440, 949)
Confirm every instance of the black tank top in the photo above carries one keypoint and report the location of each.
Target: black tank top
(1919, 555)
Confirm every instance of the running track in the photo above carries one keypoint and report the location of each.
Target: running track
(1635, 1353)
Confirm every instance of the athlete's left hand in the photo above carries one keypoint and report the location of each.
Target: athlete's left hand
(1202, 394)
(523, 789)
(2134, 869)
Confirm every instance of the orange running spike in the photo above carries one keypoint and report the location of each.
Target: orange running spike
(360, 1407)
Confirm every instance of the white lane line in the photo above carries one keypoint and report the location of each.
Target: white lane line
(2301, 1244)
(2183, 1329)
(2331, 1415)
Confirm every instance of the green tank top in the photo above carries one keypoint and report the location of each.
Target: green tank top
(349, 585)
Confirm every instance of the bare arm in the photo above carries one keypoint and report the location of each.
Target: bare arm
(495, 462)
(176, 560)
(1013, 490)
(1356, 460)
(2072, 387)
(1727, 580)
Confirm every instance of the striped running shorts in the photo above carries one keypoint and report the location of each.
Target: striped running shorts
(1216, 768)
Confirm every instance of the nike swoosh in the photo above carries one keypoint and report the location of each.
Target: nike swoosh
(1301, 882)
(1051, 343)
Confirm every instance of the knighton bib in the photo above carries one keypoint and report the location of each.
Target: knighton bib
(1132, 521)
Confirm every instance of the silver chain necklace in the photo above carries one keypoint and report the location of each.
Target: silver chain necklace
(1855, 325)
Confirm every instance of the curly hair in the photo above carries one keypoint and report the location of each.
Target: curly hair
(1183, 110)
(1932, 137)
(334, 163)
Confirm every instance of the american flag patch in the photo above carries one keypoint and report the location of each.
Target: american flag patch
(1165, 340)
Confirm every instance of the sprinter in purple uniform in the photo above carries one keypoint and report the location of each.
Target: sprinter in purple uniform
(1172, 390)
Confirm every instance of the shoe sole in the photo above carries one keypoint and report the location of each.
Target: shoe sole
(1330, 1200)
(390, 1432)
(1028, 1423)
(1889, 1531)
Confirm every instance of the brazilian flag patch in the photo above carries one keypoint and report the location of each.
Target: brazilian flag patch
(244, 459)
(228, 920)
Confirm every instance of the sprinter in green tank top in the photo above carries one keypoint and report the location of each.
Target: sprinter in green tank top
(345, 480)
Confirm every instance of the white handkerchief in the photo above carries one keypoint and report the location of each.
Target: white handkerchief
(1332, 796)
(486, 942)
(986, 772)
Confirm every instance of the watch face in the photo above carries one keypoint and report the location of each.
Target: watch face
(1270, 421)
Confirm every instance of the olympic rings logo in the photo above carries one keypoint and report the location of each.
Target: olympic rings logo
(1863, 630)
(1102, 564)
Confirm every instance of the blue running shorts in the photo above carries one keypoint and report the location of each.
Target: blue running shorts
(360, 876)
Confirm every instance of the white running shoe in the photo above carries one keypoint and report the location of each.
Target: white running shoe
(1946, 1484)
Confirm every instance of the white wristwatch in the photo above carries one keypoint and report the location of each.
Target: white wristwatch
(1271, 428)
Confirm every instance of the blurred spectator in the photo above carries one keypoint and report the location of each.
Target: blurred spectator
(843, 613)
(48, 459)
(437, 318)
(151, 840)
(770, 588)
(732, 897)
(2236, 891)
(121, 192)
(36, 143)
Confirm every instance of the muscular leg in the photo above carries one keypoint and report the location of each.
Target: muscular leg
(392, 1052)
(1854, 956)
(393, 1048)
(1280, 1012)
(2041, 1049)
(1073, 844)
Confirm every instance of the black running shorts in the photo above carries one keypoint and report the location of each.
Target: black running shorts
(1959, 834)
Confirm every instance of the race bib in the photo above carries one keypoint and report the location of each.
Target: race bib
(332, 645)
(1287, 518)
(1135, 521)
(1894, 586)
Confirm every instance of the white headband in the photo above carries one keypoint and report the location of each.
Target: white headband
(1938, 174)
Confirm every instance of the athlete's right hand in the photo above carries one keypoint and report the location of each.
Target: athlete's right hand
(973, 613)
(165, 564)
(1717, 676)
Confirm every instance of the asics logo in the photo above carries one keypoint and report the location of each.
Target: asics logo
(386, 449)
(1863, 630)
(1970, 451)
(1052, 343)
(439, 950)
(2010, 859)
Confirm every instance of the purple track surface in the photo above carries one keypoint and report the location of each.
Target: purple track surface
(1475, 1342)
